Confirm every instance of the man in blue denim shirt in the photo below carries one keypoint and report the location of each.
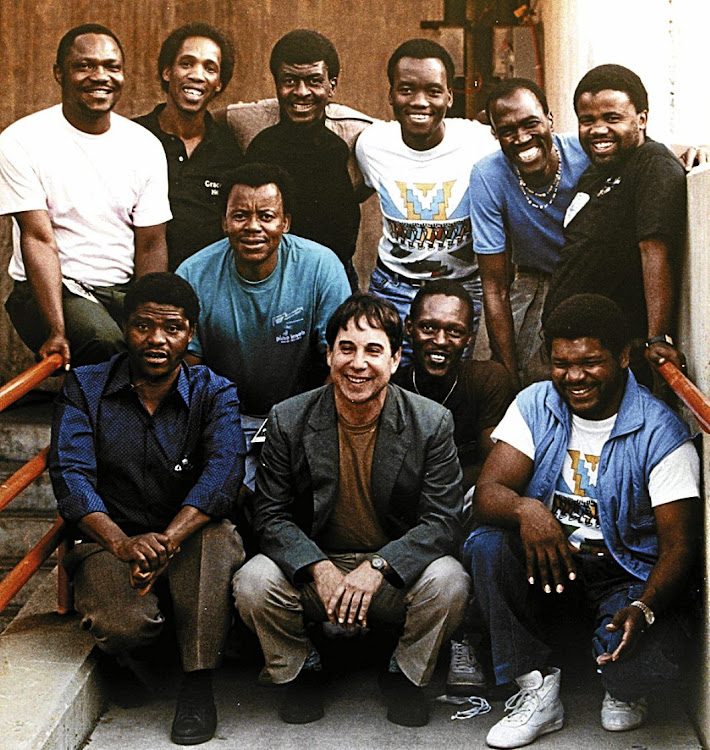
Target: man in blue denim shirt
(592, 486)
(147, 458)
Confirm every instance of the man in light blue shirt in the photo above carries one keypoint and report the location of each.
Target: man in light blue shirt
(519, 196)
(266, 297)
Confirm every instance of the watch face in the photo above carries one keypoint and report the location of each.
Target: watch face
(377, 563)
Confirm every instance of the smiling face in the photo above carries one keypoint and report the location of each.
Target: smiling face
(156, 336)
(610, 128)
(420, 97)
(254, 223)
(194, 78)
(361, 364)
(303, 91)
(524, 132)
(91, 79)
(588, 377)
(440, 332)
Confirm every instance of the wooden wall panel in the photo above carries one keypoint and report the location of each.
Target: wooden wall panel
(365, 33)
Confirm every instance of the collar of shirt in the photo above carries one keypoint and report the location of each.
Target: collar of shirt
(120, 380)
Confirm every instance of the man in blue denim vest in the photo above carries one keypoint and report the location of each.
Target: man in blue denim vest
(591, 490)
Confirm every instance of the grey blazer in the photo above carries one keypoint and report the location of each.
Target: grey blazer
(416, 481)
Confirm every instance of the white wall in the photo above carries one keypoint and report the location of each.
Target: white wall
(665, 41)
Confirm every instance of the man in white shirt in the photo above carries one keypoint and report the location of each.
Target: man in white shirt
(88, 192)
(591, 493)
(420, 166)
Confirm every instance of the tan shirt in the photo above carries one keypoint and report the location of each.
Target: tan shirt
(353, 524)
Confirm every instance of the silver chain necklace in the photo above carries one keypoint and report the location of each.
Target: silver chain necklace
(446, 398)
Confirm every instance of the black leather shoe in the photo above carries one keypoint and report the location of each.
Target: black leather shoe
(302, 698)
(195, 719)
(406, 703)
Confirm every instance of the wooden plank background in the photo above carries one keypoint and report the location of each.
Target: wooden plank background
(365, 32)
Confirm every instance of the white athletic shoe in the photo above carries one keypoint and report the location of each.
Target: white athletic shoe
(618, 716)
(535, 710)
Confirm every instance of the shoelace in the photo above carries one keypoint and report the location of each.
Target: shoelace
(615, 703)
(477, 705)
(517, 703)
(461, 657)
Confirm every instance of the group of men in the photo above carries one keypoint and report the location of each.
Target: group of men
(585, 484)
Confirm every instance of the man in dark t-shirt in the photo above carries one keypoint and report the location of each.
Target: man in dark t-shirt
(624, 228)
(305, 67)
(195, 64)
(440, 326)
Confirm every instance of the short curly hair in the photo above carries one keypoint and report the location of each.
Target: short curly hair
(171, 47)
(164, 288)
(588, 316)
(304, 46)
(615, 78)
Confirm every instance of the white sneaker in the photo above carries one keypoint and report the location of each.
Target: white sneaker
(535, 710)
(466, 676)
(618, 716)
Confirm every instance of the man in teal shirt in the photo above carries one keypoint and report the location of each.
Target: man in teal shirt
(266, 297)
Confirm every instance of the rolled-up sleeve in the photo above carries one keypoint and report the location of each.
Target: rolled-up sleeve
(72, 456)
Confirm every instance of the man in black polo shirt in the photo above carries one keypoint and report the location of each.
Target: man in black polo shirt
(195, 64)
(305, 67)
(624, 227)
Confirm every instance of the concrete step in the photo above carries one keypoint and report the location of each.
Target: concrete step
(25, 429)
(6, 565)
(21, 530)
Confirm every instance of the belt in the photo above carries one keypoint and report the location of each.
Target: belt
(418, 283)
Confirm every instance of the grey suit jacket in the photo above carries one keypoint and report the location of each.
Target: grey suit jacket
(416, 481)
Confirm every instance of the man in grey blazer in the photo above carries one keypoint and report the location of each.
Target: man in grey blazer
(357, 508)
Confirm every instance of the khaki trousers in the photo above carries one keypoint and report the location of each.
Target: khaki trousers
(198, 578)
(430, 610)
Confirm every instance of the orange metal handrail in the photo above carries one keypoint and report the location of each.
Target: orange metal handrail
(688, 393)
(28, 379)
(23, 478)
(56, 537)
(30, 563)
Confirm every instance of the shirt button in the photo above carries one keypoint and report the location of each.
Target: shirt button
(181, 158)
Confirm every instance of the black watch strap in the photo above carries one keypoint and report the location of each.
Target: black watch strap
(662, 339)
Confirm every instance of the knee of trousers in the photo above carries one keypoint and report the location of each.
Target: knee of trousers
(260, 584)
(490, 551)
(447, 584)
(117, 633)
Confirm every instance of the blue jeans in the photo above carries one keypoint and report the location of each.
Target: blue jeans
(400, 294)
(512, 612)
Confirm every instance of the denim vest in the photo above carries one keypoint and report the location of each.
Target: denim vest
(645, 432)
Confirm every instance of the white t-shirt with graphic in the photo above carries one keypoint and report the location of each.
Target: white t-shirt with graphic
(574, 501)
(426, 225)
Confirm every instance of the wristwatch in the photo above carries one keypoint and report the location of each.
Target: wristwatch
(664, 338)
(647, 612)
(380, 564)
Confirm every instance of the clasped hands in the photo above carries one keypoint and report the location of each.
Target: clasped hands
(346, 598)
(148, 555)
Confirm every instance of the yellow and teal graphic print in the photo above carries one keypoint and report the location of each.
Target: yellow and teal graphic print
(574, 502)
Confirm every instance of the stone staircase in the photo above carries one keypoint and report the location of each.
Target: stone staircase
(24, 431)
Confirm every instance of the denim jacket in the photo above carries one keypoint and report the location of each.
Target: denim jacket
(645, 432)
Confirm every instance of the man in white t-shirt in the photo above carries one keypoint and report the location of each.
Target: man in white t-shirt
(592, 489)
(420, 166)
(88, 192)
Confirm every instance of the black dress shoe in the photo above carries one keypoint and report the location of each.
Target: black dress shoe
(195, 719)
(406, 703)
(302, 698)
